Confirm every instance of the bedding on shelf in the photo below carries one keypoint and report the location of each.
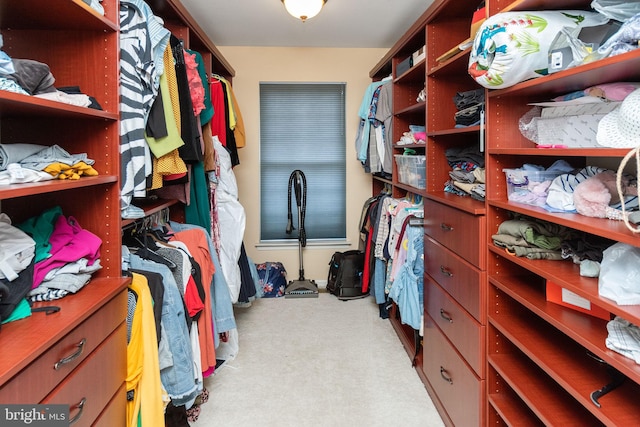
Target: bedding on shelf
(512, 47)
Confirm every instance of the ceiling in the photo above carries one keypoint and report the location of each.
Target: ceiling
(340, 24)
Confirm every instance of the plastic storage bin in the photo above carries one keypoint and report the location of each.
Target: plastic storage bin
(411, 170)
(529, 186)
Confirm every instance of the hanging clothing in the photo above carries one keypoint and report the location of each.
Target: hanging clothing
(163, 143)
(207, 112)
(143, 369)
(362, 141)
(224, 319)
(383, 115)
(230, 122)
(143, 40)
(238, 129)
(199, 250)
(198, 210)
(218, 123)
(408, 287)
(232, 221)
(191, 151)
(175, 354)
(247, 284)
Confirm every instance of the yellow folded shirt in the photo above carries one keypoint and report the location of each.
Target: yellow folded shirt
(64, 171)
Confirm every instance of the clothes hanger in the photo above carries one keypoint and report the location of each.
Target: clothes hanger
(139, 240)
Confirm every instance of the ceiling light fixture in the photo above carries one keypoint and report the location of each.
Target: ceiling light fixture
(303, 9)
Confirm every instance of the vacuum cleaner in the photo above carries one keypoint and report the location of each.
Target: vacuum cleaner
(301, 288)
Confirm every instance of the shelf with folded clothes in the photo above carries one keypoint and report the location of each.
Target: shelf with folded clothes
(16, 104)
(67, 161)
(602, 227)
(519, 273)
(452, 171)
(64, 80)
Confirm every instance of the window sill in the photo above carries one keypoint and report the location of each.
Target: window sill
(293, 244)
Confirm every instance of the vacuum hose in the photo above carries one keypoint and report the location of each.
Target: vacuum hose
(298, 181)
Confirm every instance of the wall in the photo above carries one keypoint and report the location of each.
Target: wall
(264, 64)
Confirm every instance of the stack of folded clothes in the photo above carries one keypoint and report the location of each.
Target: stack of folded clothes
(469, 105)
(25, 162)
(467, 175)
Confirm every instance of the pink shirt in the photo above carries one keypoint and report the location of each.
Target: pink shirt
(69, 243)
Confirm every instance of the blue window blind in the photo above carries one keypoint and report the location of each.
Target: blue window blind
(302, 126)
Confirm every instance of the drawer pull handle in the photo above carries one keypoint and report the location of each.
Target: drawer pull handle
(80, 407)
(446, 227)
(444, 270)
(445, 316)
(71, 357)
(445, 377)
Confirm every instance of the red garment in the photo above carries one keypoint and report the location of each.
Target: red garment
(192, 298)
(196, 88)
(367, 256)
(218, 121)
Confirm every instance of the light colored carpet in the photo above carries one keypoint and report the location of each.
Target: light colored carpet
(316, 362)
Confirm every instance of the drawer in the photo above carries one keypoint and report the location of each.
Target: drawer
(458, 389)
(115, 414)
(41, 376)
(459, 278)
(95, 381)
(457, 230)
(464, 332)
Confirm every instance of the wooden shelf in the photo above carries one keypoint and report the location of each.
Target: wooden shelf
(466, 204)
(18, 105)
(30, 14)
(472, 130)
(512, 410)
(43, 187)
(618, 68)
(567, 275)
(412, 109)
(456, 65)
(413, 74)
(560, 152)
(551, 404)
(609, 229)
(151, 206)
(567, 364)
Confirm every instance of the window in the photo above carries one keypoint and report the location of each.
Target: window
(302, 126)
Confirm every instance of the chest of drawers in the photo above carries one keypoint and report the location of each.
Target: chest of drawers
(76, 356)
(455, 293)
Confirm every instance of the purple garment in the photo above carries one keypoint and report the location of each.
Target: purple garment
(69, 243)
